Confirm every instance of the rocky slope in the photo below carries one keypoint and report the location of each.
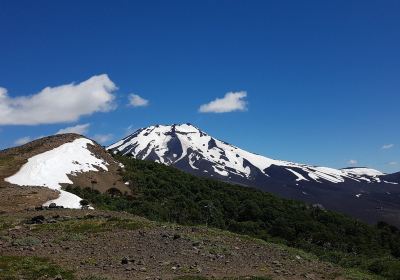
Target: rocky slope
(37, 171)
(362, 192)
(110, 245)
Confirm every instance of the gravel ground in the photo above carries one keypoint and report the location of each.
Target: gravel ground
(123, 246)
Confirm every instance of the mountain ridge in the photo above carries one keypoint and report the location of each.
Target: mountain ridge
(159, 150)
(190, 149)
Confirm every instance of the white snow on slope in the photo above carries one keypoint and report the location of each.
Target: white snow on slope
(363, 171)
(225, 158)
(299, 176)
(50, 169)
(393, 183)
(155, 138)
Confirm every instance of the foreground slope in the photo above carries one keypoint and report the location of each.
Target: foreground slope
(99, 245)
(362, 192)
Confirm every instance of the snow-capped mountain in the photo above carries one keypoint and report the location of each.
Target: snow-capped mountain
(188, 148)
(191, 149)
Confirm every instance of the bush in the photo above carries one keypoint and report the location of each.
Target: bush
(84, 202)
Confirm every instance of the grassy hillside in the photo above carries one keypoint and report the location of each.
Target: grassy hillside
(167, 194)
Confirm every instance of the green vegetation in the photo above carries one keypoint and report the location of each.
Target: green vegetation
(26, 241)
(32, 268)
(75, 228)
(70, 236)
(5, 160)
(95, 278)
(356, 274)
(8, 164)
(189, 277)
(166, 194)
(5, 224)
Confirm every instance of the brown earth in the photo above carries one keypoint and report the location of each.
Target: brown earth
(103, 181)
(122, 246)
(14, 198)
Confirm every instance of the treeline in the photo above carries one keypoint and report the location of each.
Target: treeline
(166, 194)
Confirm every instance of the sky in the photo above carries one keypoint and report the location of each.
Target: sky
(314, 82)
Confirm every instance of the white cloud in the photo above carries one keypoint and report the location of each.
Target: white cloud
(129, 130)
(26, 139)
(79, 129)
(393, 163)
(103, 138)
(137, 101)
(23, 140)
(232, 101)
(352, 162)
(387, 146)
(65, 103)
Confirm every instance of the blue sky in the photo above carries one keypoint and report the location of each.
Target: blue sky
(321, 78)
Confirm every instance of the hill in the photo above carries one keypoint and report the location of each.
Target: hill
(45, 165)
(167, 194)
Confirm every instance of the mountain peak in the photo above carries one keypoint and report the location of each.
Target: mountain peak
(189, 148)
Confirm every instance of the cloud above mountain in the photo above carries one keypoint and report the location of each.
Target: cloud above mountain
(137, 101)
(387, 146)
(232, 101)
(352, 162)
(23, 140)
(103, 138)
(65, 103)
(79, 129)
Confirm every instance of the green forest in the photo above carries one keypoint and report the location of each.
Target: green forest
(167, 194)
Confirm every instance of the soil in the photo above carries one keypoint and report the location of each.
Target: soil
(122, 246)
(103, 181)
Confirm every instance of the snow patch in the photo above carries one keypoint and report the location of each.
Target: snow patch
(299, 176)
(362, 171)
(393, 183)
(221, 172)
(50, 169)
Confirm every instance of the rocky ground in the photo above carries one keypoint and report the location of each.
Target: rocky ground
(110, 245)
